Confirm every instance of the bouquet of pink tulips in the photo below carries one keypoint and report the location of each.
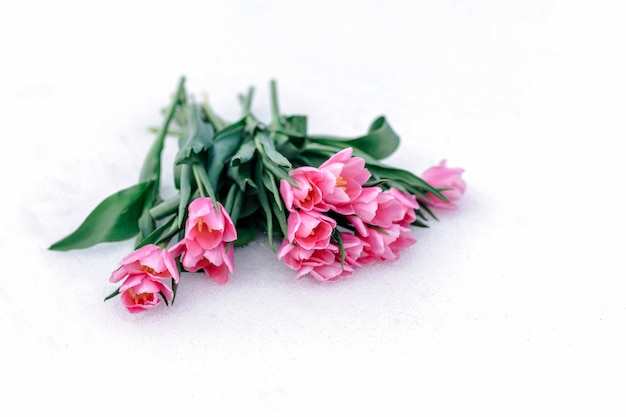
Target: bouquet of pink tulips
(330, 202)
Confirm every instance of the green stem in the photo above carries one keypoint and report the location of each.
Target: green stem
(230, 198)
(204, 182)
(275, 111)
(170, 234)
(165, 208)
(217, 122)
(247, 102)
(196, 174)
(170, 132)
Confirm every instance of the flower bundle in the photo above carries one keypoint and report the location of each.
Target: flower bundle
(330, 202)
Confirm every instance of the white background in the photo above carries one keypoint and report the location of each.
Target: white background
(513, 305)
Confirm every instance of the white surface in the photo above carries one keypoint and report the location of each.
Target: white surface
(514, 305)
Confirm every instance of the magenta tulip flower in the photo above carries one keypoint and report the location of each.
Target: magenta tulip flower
(217, 263)
(143, 271)
(310, 229)
(449, 179)
(312, 186)
(207, 226)
(350, 174)
(320, 264)
(140, 293)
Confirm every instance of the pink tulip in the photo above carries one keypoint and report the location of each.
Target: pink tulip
(303, 260)
(320, 264)
(364, 205)
(386, 244)
(353, 248)
(409, 205)
(208, 227)
(404, 240)
(149, 261)
(388, 210)
(204, 246)
(331, 272)
(143, 271)
(310, 229)
(394, 206)
(349, 173)
(140, 293)
(377, 208)
(441, 177)
(312, 185)
(362, 210)
(217, 263)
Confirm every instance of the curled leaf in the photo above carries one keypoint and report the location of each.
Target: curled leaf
(380, 141)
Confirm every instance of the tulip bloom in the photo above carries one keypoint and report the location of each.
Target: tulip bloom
(312, 186)
(381, 208)
(150, 261)
(208, 227)
(349, 173)
(448, 179)
(353, 248)
(216, 263)
(310, 229)
(140, 293)
(143, 271)
(204, 247)
(320, 264)
(408, 203)
(385, 245)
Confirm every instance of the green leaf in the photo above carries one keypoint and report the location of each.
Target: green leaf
(177, 176)
(234, 199)
(427, 210)
(224, 146)
(185, 192)
(380, 141)
(277, 203)
(165, 208)
(114, 219)
(242, 175)
(244, 154)
(270, 184)
(265, 205)
(266, 147)
(146, 222)
(294, 126)
(245, 233)
(314, 158)
(175, 285)
(342, 251)
(249, 206)
(395, 174)
(161, 233)
(151, 169)
(233, 129)
(113, 294)
(419, 223)
(199, 137)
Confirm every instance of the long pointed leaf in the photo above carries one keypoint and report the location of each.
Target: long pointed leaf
(199, 137)
(114, 219)
(151, 169)
(266, 146)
